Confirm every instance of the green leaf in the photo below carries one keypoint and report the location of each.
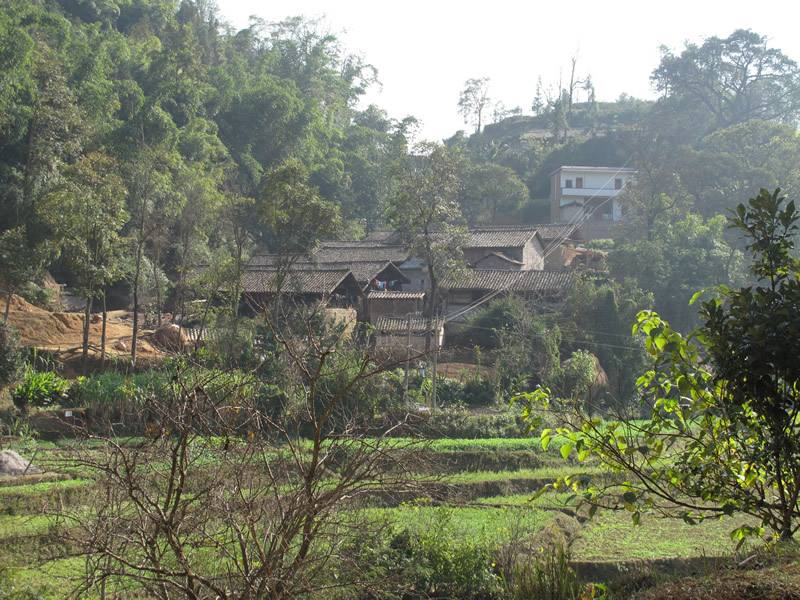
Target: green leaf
(565, 451)
(696, 296)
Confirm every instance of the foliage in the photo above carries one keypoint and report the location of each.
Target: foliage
(549, 577)
(461, 423)
(682, 256)
(733, 79)
(473, 100)
(490, 190)
(478, 391)
(39, 389)
(111, 388)
(529, 349)
(722, 435)
(427, 563)
(425, 211)
(12, 356)
(597, 317)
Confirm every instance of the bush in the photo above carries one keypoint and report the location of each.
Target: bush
(478, 391)
(111, 387)
(40, 388)
(424, 562)
(550, 577)
(12, 356)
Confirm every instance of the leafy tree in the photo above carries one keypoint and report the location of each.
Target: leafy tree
(86, 213)
(723, 169)
(723, 433)
(425, 211)
(21, 260)
(473, 100)
(489, 189)
(680, 257)
(596, 316)
(735, 79)
(294, 215)
(12, 356)
(152, 203)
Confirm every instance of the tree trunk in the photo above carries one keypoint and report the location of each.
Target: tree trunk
(9, 294)
(87, 314)
(431, 309)
(158, 287)
(103, 332)
(136, 274)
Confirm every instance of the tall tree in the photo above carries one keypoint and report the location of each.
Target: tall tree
(426, 214)
(735, 79)
(473, 100)
(87, 212)
(488, 189)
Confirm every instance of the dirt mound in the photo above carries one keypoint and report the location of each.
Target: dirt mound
(170, 337)
(13, 465)
(63, 331)
(19, 303)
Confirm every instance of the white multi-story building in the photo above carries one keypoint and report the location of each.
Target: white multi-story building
(587, 196)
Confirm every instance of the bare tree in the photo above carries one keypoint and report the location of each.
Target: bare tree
(474, 99)
(237, 494)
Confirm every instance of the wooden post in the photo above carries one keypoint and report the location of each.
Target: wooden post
(435, 361)
(408, 358)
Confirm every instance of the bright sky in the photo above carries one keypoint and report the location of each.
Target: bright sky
(424, 50)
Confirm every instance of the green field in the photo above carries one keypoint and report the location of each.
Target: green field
(487, 508)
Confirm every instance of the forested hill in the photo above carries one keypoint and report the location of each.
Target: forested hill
(167, 87)
(140, 138)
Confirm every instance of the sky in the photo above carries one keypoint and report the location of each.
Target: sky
(424, 50)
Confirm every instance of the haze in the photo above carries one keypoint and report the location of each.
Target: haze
(424, 50)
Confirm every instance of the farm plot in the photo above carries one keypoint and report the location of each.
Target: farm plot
(485, 508)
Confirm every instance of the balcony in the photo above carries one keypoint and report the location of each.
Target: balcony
(605, 192)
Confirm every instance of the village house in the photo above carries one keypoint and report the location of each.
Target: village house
(390, 303)
(333, 288)
(464, 292)
(587, 197)
(399, 337)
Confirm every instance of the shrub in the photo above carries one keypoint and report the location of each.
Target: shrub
(478, 391)
(40, 388)
(424, 562)
(12, 356)
(111, 387)
(550, 577)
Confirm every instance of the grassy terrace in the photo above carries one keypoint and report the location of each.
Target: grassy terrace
(475, 505)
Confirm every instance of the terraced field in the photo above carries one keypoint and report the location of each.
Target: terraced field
(481, 496)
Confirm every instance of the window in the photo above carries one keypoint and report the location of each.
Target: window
(568, 183)
(579, 182)
(618, 183)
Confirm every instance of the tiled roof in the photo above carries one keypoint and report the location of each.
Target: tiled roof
(304, 281)
(499, 237)
(555, 230)
(393, 295)
(513, 281)
(384, 237)
(400, 325)
(364, 271)
(360, 252)
(501, 256)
